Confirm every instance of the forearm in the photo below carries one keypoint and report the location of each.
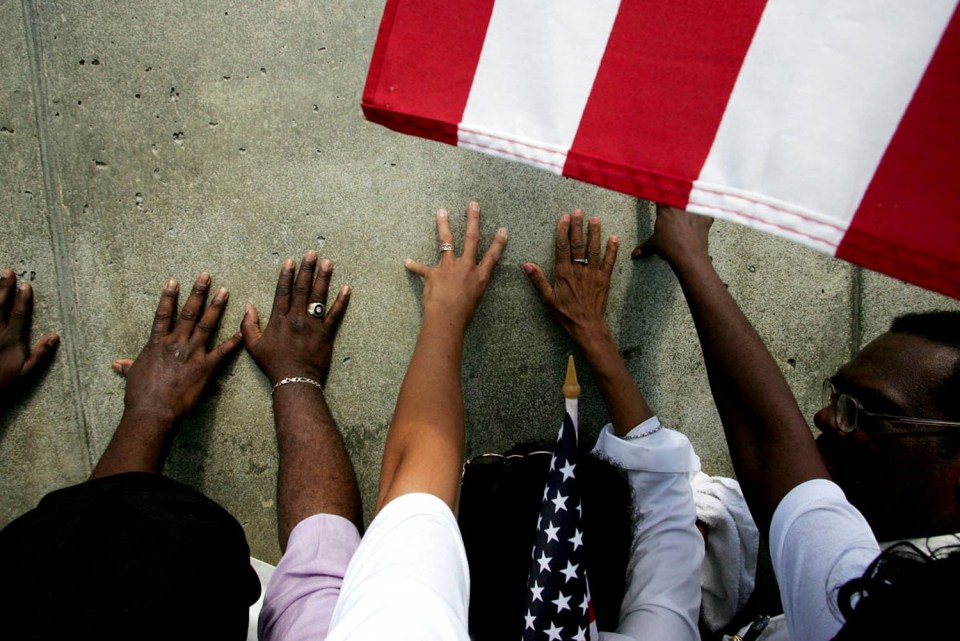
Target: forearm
(769, 440)
(316, 475)
(424, 447)
(139, 444)
(622, 396)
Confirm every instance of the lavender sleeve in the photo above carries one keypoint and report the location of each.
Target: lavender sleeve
(303, 591)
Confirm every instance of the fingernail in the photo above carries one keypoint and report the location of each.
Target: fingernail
(527, 268)
(474, 206)
(220, 295)
(594, 219)
(23, 287)
(441, 213)
(345, 290)
(565, 218)
(54, 341)
(246, 309)
(502, 232)
(407, 261)
(326, 265)
(171, 285)
(203, 278)
(116, 367)
(310, 256)
(289, 264)
(614, 239)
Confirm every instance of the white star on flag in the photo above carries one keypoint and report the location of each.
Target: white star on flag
(576, 539)
(553, 633)
(552, 533)
(537, 592)
(586, 604)
(562, 603)
(570, 571)
(544, 562)
(560, 502)
(530, 619)
(581, 635)
(567, 471)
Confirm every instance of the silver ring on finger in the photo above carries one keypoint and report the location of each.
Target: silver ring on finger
(446, 247)
(316, 310)
(582, 261)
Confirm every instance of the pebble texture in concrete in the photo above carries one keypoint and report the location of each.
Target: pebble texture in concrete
(226, 136)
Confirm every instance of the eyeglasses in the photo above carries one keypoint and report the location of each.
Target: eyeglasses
(848, 412)
(490, 457)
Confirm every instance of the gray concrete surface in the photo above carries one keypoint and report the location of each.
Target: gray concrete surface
(156, 140)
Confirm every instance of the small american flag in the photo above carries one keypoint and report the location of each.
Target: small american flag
(558, 597)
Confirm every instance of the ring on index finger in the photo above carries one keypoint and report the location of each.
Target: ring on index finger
(582, 261)
(446, 247)
(315, 309)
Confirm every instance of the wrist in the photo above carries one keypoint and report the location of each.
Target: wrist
(690, 261)
(151, 419)
(593, 338)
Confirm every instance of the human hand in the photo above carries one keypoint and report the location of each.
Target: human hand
(18, 363)
(578, 298)
(296, 343)
(453, 288)
(677, 236)
(167, 378)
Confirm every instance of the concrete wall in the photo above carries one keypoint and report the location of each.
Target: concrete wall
(143, 141)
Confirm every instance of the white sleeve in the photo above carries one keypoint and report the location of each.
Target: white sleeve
(818, 542)
(662, 600)
(409, 579)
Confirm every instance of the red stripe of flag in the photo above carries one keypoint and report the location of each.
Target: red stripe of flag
(908, 225)
(660, 93)
(428, 50)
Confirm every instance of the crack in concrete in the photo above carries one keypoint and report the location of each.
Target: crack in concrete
(856, 310)
(61, 252)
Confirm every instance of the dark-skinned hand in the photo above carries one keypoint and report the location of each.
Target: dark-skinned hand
(678, 235)
(294, 342)
(18, 363)
(167, 378)
(578, 297)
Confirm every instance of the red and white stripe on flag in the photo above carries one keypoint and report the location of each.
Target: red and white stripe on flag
(834, 123)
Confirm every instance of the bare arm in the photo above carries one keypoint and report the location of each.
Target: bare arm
(424, 448)
(166, 380)
(315, 475)
(577, 300)
(769, 440)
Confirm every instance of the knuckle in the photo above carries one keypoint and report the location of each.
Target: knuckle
(283, 290)
(301, 289)
(205, 327)
(188, 315)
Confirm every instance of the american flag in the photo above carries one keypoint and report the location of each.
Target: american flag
(558, 596)
(832, 123)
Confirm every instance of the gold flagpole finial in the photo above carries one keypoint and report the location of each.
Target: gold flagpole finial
(571, 388)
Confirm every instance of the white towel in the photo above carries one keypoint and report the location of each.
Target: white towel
(730, 566)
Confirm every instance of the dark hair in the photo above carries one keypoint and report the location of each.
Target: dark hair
(939, 327)
(905, 593)
(499, 506)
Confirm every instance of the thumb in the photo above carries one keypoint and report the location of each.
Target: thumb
(250, 326)
(122, 365)
(646, 249)
(538, 279)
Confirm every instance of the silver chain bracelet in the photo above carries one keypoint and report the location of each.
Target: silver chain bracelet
(297, 379)
(634, 437)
